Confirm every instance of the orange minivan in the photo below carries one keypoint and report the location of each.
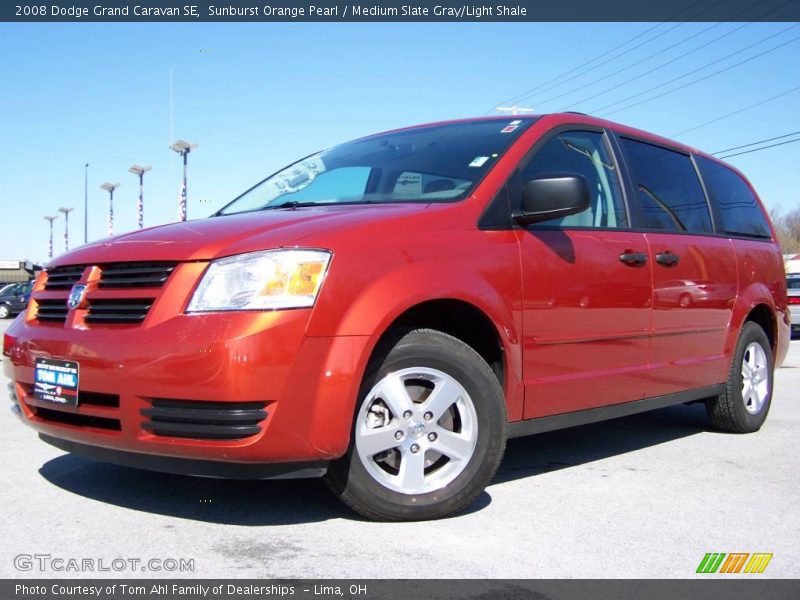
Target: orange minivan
(387, 312)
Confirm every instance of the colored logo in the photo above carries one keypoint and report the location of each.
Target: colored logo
(735, 562)
(76, 295)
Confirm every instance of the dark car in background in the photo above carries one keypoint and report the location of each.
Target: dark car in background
(14, 299)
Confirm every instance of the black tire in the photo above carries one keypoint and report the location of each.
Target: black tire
(5, 312)
(350, 480)
(728, 411)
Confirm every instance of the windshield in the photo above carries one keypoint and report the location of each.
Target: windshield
(433, 163)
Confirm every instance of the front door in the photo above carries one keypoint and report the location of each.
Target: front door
(587, 289)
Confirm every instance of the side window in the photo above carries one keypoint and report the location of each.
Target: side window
(668, 189)
(741, 214)
(582, 153)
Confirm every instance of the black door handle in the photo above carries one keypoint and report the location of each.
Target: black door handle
(633, 259)
(668, 259)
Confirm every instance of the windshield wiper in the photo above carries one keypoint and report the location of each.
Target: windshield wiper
(297, 204)
(293, 204)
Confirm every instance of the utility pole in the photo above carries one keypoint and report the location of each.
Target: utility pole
(183, 148)
(86, 203)
(110, 187)
(140, 171)
(514, 109)
(50, 246)
(66, 212)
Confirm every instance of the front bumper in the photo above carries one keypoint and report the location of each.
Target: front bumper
(190, 466)
(308, 387)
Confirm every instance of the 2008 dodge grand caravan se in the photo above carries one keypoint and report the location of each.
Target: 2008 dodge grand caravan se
(388, 312)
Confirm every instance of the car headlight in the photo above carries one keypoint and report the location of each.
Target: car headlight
(267, 280)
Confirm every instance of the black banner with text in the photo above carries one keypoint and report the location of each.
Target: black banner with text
(399, 589)
(420, 11)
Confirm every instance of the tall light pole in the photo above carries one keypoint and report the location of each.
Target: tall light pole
(50, 246)
(183, 148)
(140, 171)
(110, 187)
(86, 203)
(66, 212)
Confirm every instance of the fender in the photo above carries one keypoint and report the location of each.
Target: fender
(762, 280)
(754, 295)
(357, 303)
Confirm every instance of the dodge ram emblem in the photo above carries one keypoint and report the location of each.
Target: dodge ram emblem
(76, 295)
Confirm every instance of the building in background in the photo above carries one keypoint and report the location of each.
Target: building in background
(14, 271)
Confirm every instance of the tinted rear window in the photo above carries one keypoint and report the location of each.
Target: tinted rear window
(668, 189)
(793, 283)
(741, 213)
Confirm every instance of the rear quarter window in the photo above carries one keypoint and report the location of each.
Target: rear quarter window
(740, 211)
(668, 189)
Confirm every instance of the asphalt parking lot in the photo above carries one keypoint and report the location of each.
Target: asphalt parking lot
(644, 496)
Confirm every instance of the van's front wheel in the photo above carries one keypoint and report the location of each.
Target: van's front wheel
(429, 431)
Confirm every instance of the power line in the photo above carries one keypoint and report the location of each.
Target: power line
(785, 135)
(598, 57)
(762, 148)
(701, 68)
(662, 51)
(533, 92)
(538, 89)
(736, 112)
(698, 80)
(672, 60)
(630, 66)
(661, 66)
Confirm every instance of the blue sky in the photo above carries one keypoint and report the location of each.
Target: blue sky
(258, 96)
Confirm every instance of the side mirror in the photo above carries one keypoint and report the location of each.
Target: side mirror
(552, 197)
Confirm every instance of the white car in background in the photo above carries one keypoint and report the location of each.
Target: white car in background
(793, 290)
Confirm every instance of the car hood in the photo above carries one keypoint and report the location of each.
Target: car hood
(206, 239)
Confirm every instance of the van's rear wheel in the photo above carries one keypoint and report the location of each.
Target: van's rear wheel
(744, 405)
(429, 431)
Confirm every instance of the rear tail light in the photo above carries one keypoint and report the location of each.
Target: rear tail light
(794, 299)
(8, 342)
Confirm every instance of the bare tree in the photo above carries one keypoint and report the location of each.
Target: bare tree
(787, 228)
